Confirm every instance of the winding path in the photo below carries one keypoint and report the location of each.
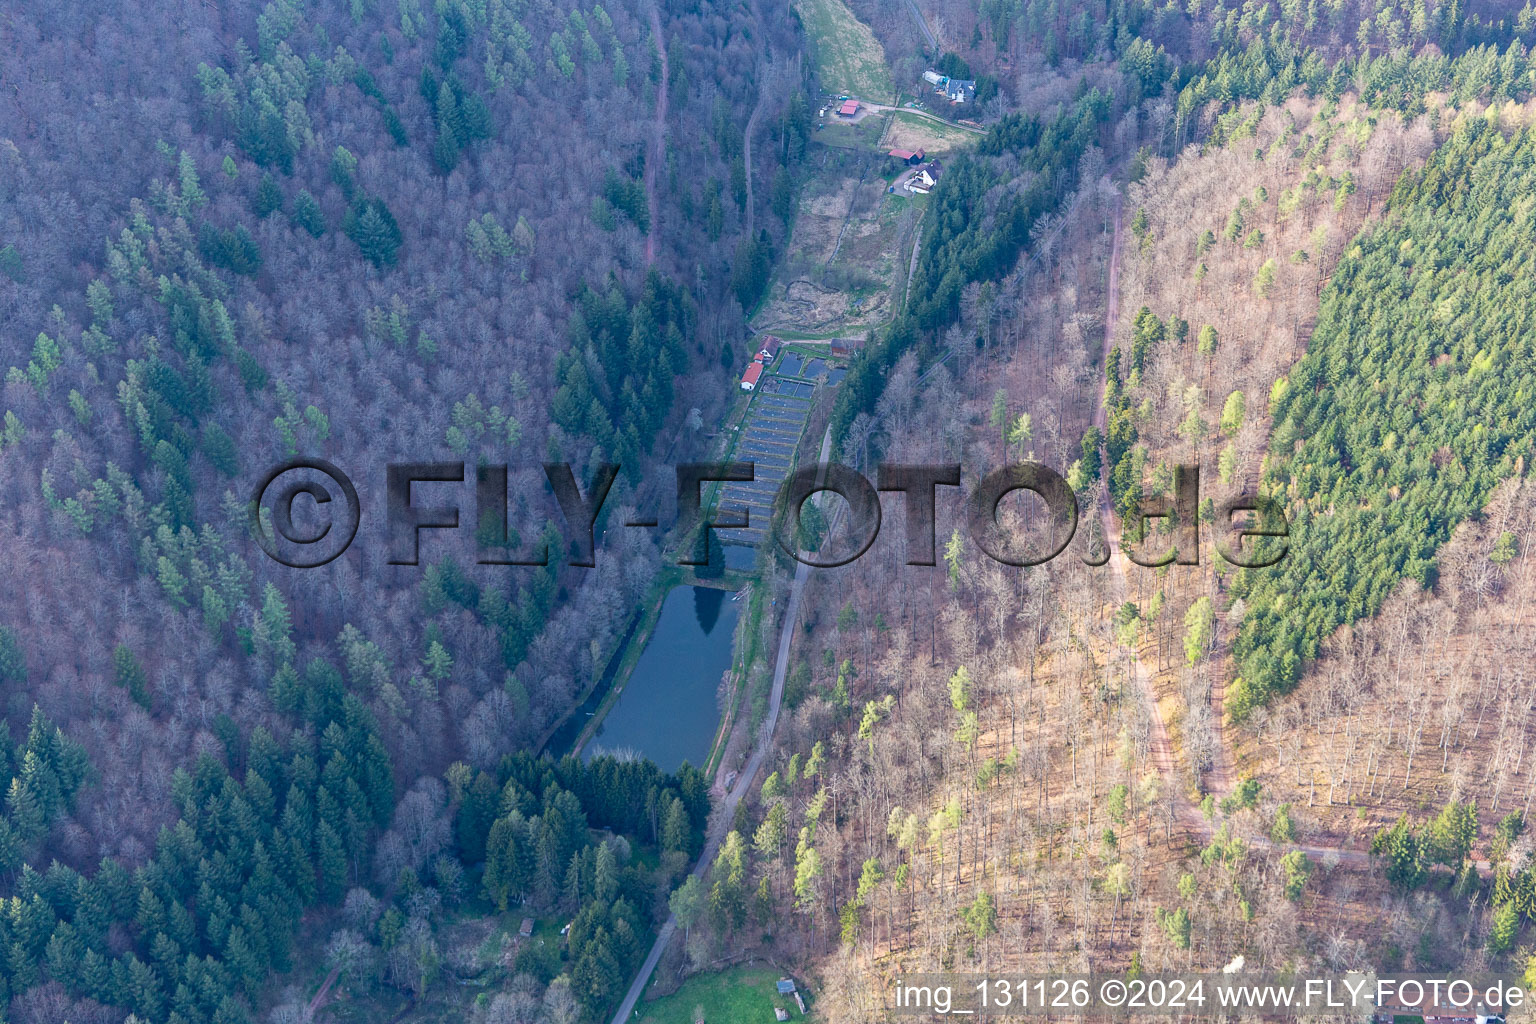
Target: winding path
(1160, 747)
(720, 821)
(658, 140)
(922, 25)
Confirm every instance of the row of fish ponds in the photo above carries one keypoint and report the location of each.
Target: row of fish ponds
(669, 708)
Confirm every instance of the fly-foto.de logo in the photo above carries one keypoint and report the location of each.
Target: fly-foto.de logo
(424, 496)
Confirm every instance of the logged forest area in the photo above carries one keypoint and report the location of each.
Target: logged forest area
(535, 742)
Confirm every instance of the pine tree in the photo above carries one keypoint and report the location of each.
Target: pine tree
(675, 828)
(269, 197)
(344, 169)
(1399, 847)
(370, 224)
(94, 978)
(307, 213)
(23, 967)
(331, 861)
(1506, 925)
(596, 974)
(25, 814)
(13, 663)
(605, 879)
(145, 990)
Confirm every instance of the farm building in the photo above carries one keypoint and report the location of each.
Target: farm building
(787, 988)
(768, 347)
(959, 91)
(908, 156)
(956, 90)
(848, 109)
(842, 348)
(752, 376)
(921, 181)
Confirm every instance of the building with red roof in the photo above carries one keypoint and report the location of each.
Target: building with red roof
(848, 109)
(752, 376)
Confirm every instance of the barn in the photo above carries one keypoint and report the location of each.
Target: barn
(752, 376)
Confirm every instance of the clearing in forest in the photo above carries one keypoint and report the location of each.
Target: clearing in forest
(845, 256)
(910, 131)
(849, 58)
(742, 993)
(846, 263)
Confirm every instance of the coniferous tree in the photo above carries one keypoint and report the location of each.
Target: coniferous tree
(370, 224)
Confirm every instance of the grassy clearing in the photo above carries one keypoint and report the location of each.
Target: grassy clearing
(862, 135)
(850, 60)
(729, 997)
(913, 132)
(817, 294)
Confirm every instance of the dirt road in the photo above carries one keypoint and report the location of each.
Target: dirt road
(922, 25)
(746, 158)
(1222, 780)
(720, 821)
(866, 108)
(658, 141)
(1161, 748)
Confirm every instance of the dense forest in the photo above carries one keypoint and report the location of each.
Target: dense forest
(343, 228)
(1408, 408)
(235, 234)
(1283, 240)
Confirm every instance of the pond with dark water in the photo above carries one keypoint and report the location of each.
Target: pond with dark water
(668, 711)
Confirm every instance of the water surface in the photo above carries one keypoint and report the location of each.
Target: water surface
(668, 711)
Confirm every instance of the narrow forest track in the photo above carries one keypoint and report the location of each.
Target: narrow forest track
(1160, 747)
(848, 217)
(1221, 779)
(658, 141)
(917, 241)
(746, 156)
(922, 25)
(724, 816)
(764, 63)
(316, 1003)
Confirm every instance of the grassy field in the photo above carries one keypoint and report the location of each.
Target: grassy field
(913, 132)
(863, 135)
(850, 60)
(847, 252)
(730, 997)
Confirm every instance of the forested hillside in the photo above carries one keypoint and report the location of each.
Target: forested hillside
(233, 234)
(1284, 241)
(1063, 767)
(1003, 38)
(1408, 409)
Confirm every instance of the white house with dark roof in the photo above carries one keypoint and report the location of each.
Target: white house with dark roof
(958, 90)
